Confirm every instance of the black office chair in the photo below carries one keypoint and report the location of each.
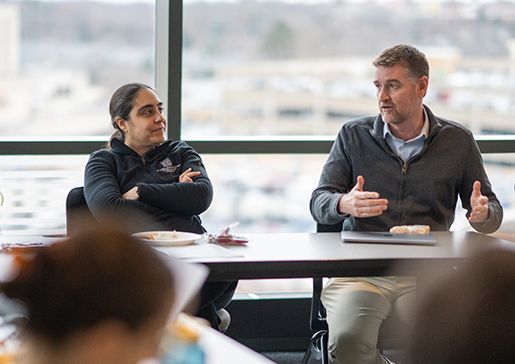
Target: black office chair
(318, 343)
(78, 214)
(389, 339)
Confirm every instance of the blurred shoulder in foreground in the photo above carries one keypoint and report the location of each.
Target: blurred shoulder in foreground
(470, 316)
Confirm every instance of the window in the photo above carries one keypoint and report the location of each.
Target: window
(304, 67)
(35, 189)
(57, 77)
(262, 192)
(61, 61)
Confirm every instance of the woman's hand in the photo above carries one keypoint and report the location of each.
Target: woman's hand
(131, 194)
(187, 175)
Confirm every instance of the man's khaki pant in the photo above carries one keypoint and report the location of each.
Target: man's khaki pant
(356, 308)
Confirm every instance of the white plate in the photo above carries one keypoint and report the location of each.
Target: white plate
(168, 238)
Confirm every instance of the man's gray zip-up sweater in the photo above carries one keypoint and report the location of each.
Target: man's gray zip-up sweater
(423, 190)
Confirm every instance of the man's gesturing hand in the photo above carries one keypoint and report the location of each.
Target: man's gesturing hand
(359, 203)
(479, 204)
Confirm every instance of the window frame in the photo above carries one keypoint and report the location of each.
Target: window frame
(168, 81)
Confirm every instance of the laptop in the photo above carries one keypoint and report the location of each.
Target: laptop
(387, 238)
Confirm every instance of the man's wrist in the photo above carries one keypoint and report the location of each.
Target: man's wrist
(487, 215)
(338, 209)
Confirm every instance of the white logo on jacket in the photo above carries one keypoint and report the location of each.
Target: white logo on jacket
(168, 166)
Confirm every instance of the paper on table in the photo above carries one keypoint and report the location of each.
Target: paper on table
(199, 251)
(188, 278)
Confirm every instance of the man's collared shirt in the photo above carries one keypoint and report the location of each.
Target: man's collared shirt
(406, 149)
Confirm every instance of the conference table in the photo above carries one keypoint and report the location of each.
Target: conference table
(304, 255)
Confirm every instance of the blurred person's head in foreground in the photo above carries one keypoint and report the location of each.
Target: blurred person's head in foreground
(470, 316)
(98, 297)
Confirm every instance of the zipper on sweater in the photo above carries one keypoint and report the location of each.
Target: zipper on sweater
(404, 171)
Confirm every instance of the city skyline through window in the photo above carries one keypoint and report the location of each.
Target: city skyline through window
(304, 67)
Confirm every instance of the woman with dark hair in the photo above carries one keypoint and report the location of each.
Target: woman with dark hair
(162, 184)
(157, 184)
(98, 297)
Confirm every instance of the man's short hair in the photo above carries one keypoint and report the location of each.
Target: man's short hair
(405, 55)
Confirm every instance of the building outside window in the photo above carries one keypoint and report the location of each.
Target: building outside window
(61, 60)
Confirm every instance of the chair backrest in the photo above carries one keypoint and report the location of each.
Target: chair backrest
(336, 228)
(77, 211)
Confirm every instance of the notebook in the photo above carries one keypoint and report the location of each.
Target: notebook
(387, 238)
